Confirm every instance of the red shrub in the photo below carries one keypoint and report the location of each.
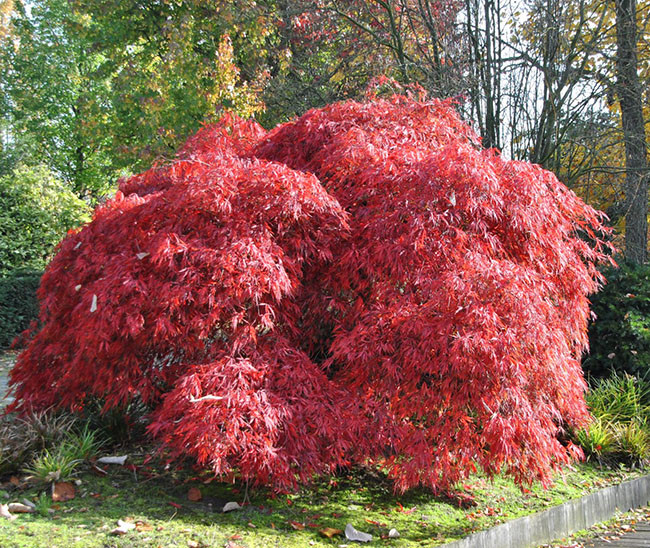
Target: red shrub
(433, 320)
(460, 298)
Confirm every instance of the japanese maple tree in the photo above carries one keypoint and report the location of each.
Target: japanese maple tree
(365, 282)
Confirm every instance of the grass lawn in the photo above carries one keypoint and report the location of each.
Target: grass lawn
(157, 502)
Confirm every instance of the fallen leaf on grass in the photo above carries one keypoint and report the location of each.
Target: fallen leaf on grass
(99, 471)
(329, 532)
(230, 506)
(123, 527)
(19, 508)
(192, 544)
(194, 494)
(405, 510)
(63, 491)
(141, 527)
(29, 503)
(296, 525)
(175, 505)
(5, 513)
(352, 534)
(113, 460)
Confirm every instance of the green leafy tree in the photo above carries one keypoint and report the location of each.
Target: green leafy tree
(55, 97)
(173, 66)
(36, 211)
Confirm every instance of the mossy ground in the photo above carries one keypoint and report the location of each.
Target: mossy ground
(157, 500)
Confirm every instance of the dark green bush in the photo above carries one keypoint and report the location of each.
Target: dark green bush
(18, 303)
(619, 337)
(120, 425)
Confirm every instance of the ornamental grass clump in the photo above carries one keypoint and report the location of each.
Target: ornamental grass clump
(620, 431)
(365, 282)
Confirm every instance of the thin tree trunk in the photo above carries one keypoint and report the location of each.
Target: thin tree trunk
(636, 167)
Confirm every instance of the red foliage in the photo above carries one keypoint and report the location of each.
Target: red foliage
(363, 282)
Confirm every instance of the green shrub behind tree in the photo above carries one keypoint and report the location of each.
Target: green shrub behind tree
(619, 337)
(36, 211)
(18, 303)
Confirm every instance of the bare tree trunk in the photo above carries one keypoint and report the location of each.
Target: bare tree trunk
(636, 166)
(483, 29)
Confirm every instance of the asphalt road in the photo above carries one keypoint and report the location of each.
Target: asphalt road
(637, 539)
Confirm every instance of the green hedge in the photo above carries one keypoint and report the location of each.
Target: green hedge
(18, 303)
(619, 337)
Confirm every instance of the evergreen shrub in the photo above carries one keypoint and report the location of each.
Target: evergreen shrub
(619, 336)
(18, 303)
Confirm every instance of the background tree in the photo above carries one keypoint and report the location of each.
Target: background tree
(552, 88)
(628, 89)
(486, 66)
(316, 58)
(172, 66)
(56, 103)
(94, 89)
(537, 78)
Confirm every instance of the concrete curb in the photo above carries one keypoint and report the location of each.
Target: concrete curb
(561, 521)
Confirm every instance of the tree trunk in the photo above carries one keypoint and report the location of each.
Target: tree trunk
(636, 167)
